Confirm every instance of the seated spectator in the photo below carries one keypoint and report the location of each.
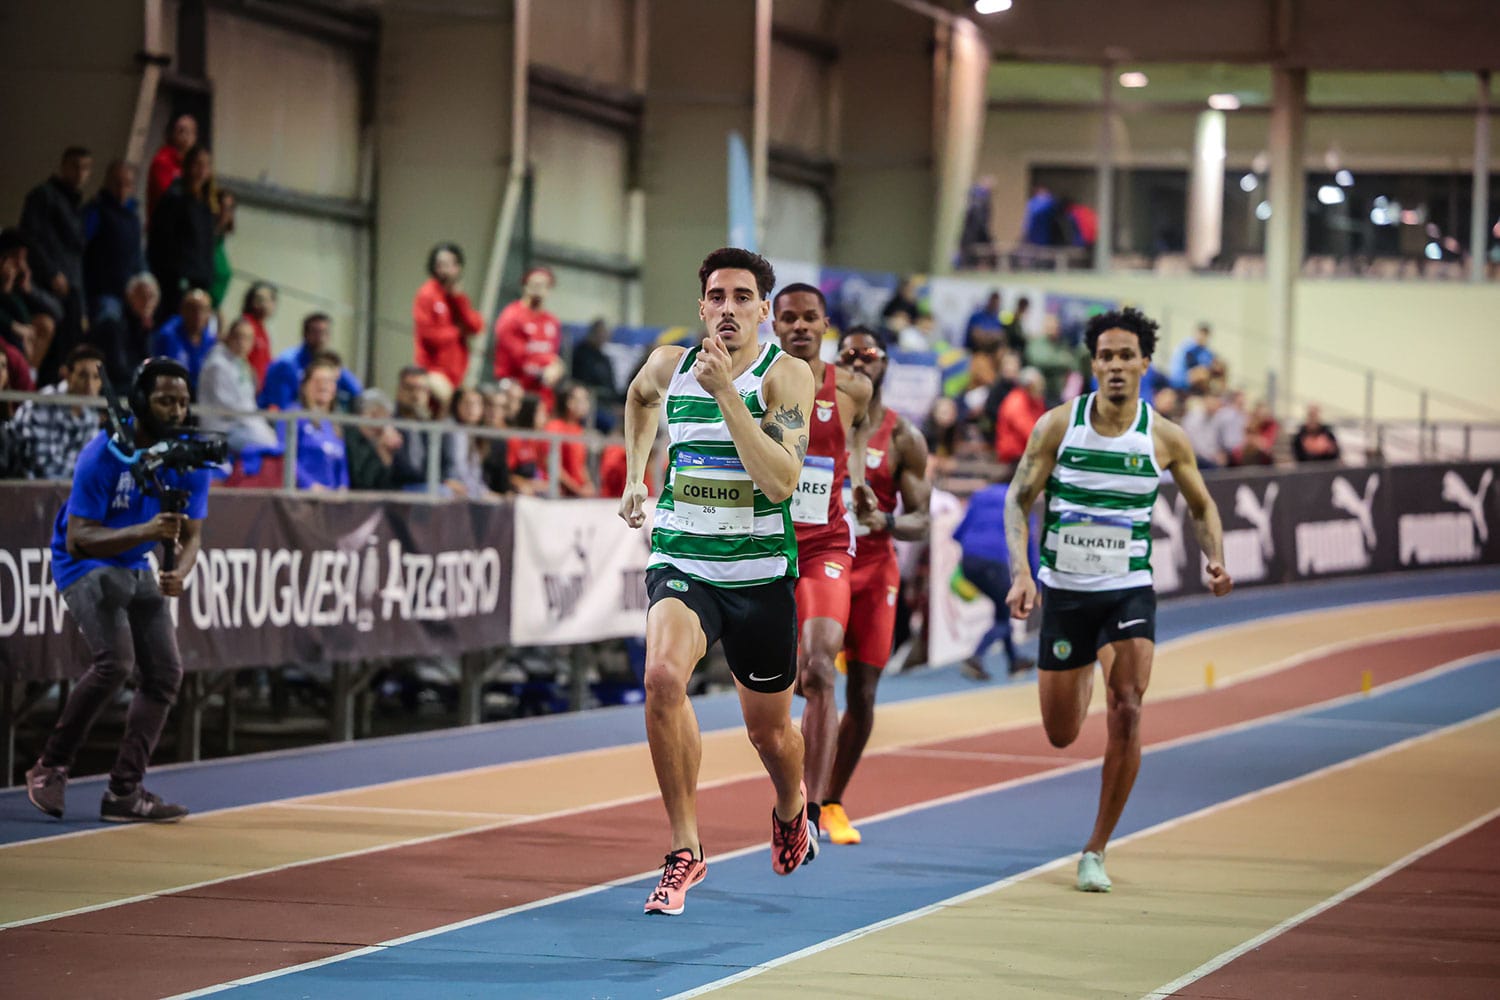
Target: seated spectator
(413, 402)
(528, 458)
(904, 300)
(1192, 361)
(1014, 324)
(188, 337)
(527, 338)
(322, 460)
(984, 337)
(1314, 440)
(495, 452)
(54, 435)
(183, 232)
(1006, 379)
(1168, 403)
(14, 452)
(223, 204)
(284, 376)
(444, 321)
(592, 368)
(1215, 430)
(575, 402)
(371, 450)
(166, 165)
(17, 373)
(112, 229)
(944, 435)
(1057, 360)
(1261, 432)
(258, 308)
(28, 316)
(228, 382)
(1019, 413)
(125, 337)
(461, 453)
(52, 218)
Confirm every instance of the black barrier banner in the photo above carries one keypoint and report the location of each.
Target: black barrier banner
(284, 580)
(1447, 515)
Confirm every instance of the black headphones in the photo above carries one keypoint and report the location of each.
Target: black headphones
(146, 374)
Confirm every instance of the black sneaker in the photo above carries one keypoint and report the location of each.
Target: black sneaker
(45, 787)
(140, 806)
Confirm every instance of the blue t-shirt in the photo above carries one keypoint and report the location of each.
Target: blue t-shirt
(1190, 354)
(105, 491)
(169, 342)
(981, 533)
(321, 458)
(284, 378)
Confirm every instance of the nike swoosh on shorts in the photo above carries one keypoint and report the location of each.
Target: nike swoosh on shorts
(1133, 621)
(762, 680)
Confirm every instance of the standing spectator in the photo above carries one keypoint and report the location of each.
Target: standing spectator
(527, 338)
(444, 321)
(113, 255)
(284, 376)
(1014, 324)
(322, 461)
(1056, 359)
(904, 299)
(461, 453)
(55, 435)
(1192, 362)
(592, 368)
(52, 217)
(573, 415)
(166, 165)
(986, 564)
(975, 242)
(258, 308)
(1314, 440)
(125, 337)
(495, 462)
(1040, 225)
(183, 231)
(371, 451)
(1019, 413)
(228, 382)
(414, 402)
(1261, 432)
(188, 337)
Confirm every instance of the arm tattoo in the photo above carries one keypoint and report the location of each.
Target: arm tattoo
(791, 419)
(802, 448)
(774, 432)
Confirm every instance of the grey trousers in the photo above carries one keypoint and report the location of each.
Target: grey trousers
(127, 625)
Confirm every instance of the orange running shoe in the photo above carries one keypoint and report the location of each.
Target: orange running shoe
(681, 872)
(836, 822)
(792, 844)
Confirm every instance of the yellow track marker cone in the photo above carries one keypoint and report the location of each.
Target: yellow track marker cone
(1208, 676)
(1366, 682)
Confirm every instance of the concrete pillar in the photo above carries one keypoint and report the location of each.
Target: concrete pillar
(702, 79)
(883, 194)
(964, 75)
(1285, 234)
(1205, 210)
(1104, 247)
(1479, 218)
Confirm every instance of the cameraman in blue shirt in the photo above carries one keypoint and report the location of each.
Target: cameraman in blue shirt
(99, 547)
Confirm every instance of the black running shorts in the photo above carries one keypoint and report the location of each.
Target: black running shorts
(757, 625)
(1076, 623)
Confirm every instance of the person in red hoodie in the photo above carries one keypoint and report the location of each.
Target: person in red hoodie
(166, 165)
(573, 416)
(444, 320)
(527, 339)
(259, 306)
(1019, 413)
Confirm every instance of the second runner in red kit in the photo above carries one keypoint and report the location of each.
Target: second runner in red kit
(895, 468)
(825, 537)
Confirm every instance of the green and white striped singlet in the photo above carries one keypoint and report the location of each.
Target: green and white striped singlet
(1100, 494)
(712, 522)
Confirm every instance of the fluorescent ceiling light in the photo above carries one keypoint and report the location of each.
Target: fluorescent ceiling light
(1134, 81)
(991, 6)
(1224, 102)
(1330, 194)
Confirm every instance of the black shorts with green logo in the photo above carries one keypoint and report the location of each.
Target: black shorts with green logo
(1076, 623)
(757, 625)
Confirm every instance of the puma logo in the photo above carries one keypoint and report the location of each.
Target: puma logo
(1247, 506)
(1361, 508)
(1456, 492)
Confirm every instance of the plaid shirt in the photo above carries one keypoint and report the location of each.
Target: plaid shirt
(55, 433)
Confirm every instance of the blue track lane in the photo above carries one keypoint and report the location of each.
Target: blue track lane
(599, 945)
(248, 780)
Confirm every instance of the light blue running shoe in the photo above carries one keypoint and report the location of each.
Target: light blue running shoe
(1091, 874)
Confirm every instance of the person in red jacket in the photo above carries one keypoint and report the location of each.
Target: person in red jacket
(1019, 413)
(444, 320)
(166, 165)
(258, 308)
(572, 417)
(527, 338)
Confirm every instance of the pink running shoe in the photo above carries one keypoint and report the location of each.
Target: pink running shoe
(681, 872)
(791, 843)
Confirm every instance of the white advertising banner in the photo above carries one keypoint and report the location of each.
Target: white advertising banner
(956, 625)
(579, 572)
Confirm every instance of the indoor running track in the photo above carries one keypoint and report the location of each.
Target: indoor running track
(1290, 835)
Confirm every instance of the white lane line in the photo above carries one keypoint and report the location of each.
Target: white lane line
(905, 810)
(972, 894)
(1019, 758)
(1223, 959)
(393, 811)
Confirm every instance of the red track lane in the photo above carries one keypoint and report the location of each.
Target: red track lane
(1431, 929)
(189, 940)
